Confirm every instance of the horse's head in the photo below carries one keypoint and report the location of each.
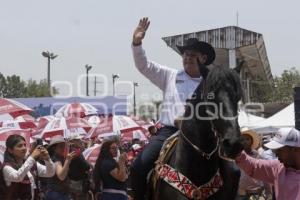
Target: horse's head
(222, 92)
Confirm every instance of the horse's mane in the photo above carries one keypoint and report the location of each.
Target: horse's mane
(222, 77)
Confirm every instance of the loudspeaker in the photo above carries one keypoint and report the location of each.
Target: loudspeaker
(297, 106)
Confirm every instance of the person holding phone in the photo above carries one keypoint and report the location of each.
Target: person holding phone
(20, 173)
(109, 174)
(177, 86)
(58, 185)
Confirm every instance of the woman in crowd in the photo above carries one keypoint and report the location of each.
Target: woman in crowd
(58, 186)
(20, 174)
(109, 174)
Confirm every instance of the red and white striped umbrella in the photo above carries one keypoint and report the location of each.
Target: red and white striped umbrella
(11, 109)
(76, 110)
(135, 134)
(5, 132)
(66, 127)
(43, 121)
(18, 124)
(91, 154)
(116, 124)
(94, 120)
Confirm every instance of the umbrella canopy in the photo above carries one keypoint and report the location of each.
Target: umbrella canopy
(43, 121)
(18, 124)
(12, 108)
(116, 124)
(5, 132)
(76, 110)
(94, 120)
(136, 134)
(91, 154)
(66, 127)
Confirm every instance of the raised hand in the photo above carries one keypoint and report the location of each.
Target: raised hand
(70, 156)
(140, 31)
(36, 153)
(44, 154)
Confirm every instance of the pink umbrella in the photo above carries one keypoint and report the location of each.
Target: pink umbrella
(66, 127)
(5, 132)
(91, 154)
(116, 124)
(10, 108)
(76, 110)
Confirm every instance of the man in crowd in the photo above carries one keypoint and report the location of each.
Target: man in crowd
(283, 173)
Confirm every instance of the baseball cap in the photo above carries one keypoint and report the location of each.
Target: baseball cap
(285, 137)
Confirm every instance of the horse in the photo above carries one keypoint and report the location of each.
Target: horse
(200, 167)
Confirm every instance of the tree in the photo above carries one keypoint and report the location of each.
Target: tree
(282, 90)
(14, 87)
(40, 89)
(284, 85)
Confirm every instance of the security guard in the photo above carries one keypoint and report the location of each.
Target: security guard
(177, 87)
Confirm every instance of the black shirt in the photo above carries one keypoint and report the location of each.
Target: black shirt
(110, 182)
(78, 169)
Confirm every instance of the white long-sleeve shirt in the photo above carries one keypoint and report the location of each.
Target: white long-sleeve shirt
(11, 175)
(177, 85)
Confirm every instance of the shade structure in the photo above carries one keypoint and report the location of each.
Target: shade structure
(66, 127)
(12, 108)
(76, 110)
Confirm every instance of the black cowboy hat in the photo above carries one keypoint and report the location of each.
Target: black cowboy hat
(202, 47)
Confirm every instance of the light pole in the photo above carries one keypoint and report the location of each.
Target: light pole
(134, 103)
(114, 76)
(49, 56)
(88, 68)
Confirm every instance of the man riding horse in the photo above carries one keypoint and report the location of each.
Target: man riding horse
(177, 87)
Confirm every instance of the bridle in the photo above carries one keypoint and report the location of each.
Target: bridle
(196, 148)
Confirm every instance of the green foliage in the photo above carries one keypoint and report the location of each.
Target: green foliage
(14, 87)
(284, 85)
(282, 90)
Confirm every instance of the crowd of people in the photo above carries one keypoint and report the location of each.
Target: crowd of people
(58, 170)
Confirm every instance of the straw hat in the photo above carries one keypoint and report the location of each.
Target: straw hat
(56, 140)
(253, 135)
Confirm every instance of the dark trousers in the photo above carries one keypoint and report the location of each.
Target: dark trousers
(145, 162)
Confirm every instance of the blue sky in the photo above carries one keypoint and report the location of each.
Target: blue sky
(98, 33)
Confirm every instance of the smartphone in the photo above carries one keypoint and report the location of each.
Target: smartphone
(39, 142)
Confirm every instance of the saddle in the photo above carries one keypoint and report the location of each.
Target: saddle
(164, 156)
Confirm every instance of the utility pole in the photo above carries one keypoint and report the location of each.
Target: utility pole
(88, 68)
(49, 56)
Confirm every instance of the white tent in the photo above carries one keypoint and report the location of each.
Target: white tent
(248, 120)
(283, 118)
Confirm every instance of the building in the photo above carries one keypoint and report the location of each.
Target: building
(236, 47)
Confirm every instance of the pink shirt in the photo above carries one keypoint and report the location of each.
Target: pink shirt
(286, 180)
